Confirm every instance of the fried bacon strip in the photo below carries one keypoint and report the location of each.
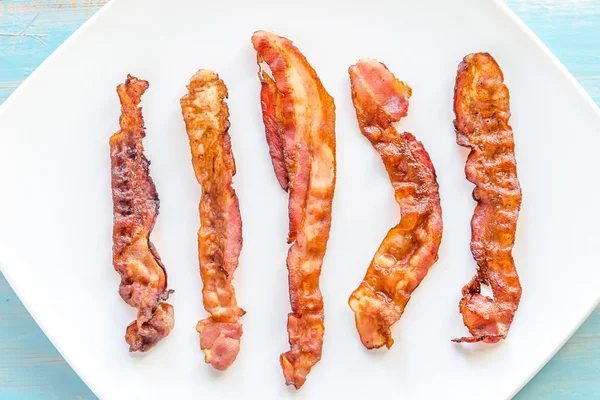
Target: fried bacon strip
(481, 105)
(299, 118)
(220, 236)
(135, 207)
(411, 247)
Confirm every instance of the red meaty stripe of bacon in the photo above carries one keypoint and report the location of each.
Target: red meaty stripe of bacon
(272, 104)
(411, 247)
(220, 236)
(299, 118)
(135, 207)
(481, 105)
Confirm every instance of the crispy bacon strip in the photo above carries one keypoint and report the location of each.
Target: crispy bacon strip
(411, 247)
(481, 105)
(299, 119)
(220, 236)
(135, 207)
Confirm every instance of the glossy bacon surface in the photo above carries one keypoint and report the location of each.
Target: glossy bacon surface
(135, 207)
(220, 236)
(411, 247)
(299, 120)
(481, 105)
(272, 104)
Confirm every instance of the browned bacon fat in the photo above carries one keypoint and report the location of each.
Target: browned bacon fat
(135, 206)
(299, 118)
(220, 236)
(481, 105)
(411, 247)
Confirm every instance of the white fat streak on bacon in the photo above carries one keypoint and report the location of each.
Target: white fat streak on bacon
(220, 235)
(309, 146)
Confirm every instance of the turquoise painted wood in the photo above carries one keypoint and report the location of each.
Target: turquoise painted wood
(30, 367)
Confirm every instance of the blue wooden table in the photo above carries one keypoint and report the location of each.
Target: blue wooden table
(30, 367)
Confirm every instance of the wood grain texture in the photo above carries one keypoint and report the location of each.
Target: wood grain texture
(57, 19)
(30, 367)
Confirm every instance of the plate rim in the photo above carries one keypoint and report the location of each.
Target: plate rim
(500, 5)
(8, 257)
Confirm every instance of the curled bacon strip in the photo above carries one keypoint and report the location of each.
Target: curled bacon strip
(411, 247)
(272, 104)
(481, 105)
(220, 236)
(135, 207)
(299, 118)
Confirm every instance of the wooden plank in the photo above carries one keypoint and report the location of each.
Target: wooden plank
(57, 20)
(30, 367)
(571, 29)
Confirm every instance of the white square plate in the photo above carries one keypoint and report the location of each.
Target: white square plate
(56, 210)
